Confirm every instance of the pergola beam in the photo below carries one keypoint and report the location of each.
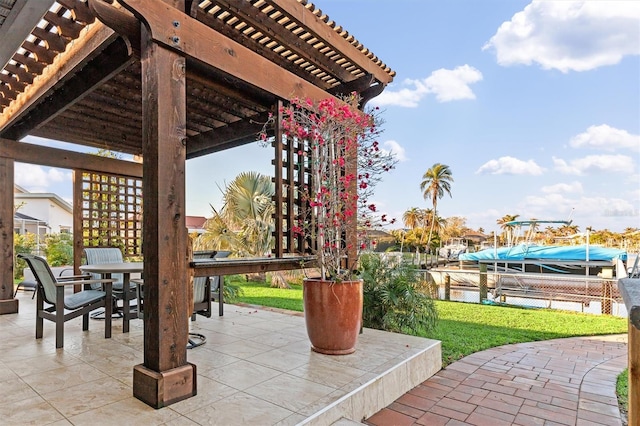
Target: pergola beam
(53, 157)
(230, 136)
(179, 31)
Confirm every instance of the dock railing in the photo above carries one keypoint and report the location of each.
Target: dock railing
(630, 290)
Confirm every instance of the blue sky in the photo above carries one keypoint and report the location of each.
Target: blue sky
(535, 107)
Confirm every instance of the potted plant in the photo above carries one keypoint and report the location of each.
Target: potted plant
(340, 157)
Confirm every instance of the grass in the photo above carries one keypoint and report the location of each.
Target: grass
(622, 390)
(465, 328)
(262, 294)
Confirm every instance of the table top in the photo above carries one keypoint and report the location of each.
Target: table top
(113, 268)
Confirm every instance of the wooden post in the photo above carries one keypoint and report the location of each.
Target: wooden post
(630, 291)
(165, 377)
(634, 374)
(8, 305)
(483, 282)
(447, 287)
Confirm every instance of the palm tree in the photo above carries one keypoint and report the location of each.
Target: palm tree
(435, 183)
(506, 227)
(245, 224)
(412, 217)
(249, 207)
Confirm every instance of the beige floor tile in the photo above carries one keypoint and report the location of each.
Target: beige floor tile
(15, 389)
(243, 349)
(241, 375)
(280, 360)
(88, 396)
(240, 409)
(128, 411)
(290, 392)
(209, 392)
(42, 363)
(34, 410)
(327, 373)
(63, 377)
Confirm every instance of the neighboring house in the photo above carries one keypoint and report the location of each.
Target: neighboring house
(475, 238)
(51, 213)
(195, 224)
(23, 224)
(379, 241)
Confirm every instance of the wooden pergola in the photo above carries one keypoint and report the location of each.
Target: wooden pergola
(168, 81)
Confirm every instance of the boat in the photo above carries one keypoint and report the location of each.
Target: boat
(587, 260)
(453, 248)
(580, 273)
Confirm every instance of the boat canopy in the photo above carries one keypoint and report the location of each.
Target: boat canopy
(536, 252)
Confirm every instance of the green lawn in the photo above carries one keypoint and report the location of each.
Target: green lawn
(465, 328)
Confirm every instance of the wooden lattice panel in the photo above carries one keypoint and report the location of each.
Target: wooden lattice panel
(291, 174)
(111, 212)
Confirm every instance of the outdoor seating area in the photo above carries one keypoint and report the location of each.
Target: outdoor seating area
(256, 368)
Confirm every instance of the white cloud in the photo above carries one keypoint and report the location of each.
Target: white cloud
(446, 85)
(396, 148)
(606, 138)
(510, 166)
(595, 163)
(37, 178)
(574, 187)
(569, 35)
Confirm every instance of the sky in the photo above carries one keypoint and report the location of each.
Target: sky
(533, 105)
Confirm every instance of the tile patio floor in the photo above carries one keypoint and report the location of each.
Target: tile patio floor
(555, 382)
(255, 369)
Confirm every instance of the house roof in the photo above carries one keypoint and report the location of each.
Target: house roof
(195, 222)
(21, 216)
(45, 195)
(67, 76)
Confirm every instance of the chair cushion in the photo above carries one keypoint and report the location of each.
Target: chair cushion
(77, 300)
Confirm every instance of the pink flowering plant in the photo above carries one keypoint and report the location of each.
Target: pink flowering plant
(341, 160)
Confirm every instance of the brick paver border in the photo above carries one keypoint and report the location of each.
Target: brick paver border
(563, 381)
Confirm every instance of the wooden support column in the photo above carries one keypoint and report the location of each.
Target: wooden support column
(165, 377)
(8, 305)
(630, 290)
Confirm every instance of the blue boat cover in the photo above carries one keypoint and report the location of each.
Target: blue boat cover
(534, 252)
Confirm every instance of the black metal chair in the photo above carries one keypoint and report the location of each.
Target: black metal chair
(65, 307)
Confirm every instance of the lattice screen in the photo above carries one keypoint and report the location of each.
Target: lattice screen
(111, 212)
(290, 173)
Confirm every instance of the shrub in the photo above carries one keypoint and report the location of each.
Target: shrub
(59, 249)
(23, 243)
(394, 298)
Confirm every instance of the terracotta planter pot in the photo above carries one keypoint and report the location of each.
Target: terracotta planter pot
(333, 314)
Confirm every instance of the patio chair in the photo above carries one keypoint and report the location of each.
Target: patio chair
(100, 256)
(202, 296)
(202, 289)
(217, 284)
(65, 307)
(29, 282)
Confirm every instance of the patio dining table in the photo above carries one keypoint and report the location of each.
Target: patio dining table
(126, 269)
